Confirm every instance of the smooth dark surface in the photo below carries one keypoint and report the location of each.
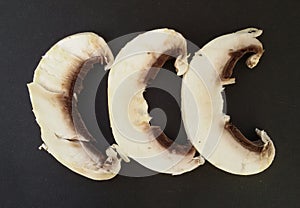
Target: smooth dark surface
(267, 97)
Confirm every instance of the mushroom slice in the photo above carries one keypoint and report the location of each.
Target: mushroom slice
(137, 63)
(209, 129)
(53, 92)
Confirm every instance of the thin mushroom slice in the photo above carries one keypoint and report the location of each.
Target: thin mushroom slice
(210, 131)
(57, 82)
(137, 63)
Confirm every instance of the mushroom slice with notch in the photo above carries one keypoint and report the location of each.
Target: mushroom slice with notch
(137, 63)
(53, 92)
(208, 128)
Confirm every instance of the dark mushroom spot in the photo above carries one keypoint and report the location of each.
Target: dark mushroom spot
(161, 60)
(155, 68)
(70, 105)
(255, 146)
(75, 83)
(235, 56)
(108, 162)
(76, 86)
(252, 31)
(173, 147)
(258, 145)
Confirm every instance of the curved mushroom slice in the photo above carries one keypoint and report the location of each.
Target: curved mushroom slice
(136, 64)
(210, 131)
(53, 92)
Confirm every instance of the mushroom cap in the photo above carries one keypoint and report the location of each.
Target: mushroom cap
(137, 63)
(209, 129)
(53, 92)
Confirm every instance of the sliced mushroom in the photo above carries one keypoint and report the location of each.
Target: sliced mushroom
(137, 63)
(53, 92)
(209, 129)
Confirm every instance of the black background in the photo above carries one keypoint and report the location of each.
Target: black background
(267, 97)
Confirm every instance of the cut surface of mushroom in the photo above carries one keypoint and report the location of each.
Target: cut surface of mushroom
(57, 82)
(207, 127)
(137, 63)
